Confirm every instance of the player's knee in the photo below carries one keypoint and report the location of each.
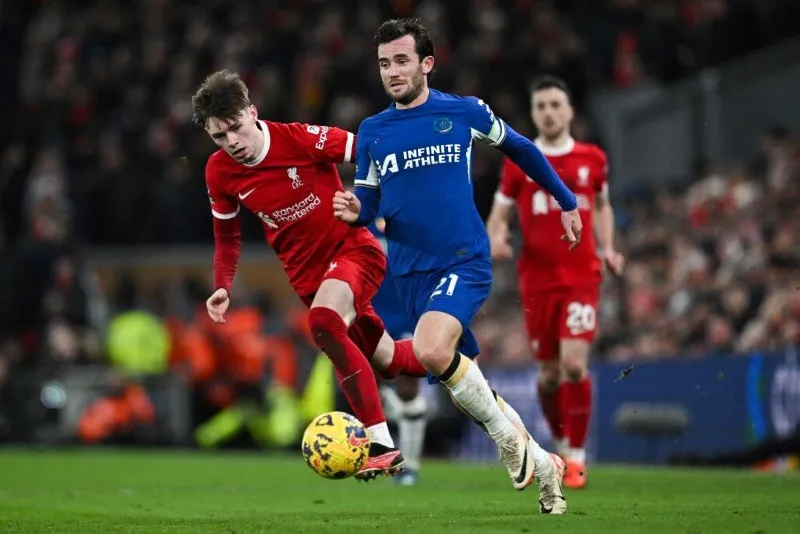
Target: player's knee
(549, 376)
(575, 370)
(435, 357)
(326, 327)
(575, 359)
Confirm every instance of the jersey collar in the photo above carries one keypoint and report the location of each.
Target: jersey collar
(562, 150)
(263, 154)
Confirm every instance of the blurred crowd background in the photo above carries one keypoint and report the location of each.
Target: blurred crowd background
(99, 155)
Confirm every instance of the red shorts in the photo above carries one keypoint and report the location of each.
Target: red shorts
(361, 264)
(553, 315)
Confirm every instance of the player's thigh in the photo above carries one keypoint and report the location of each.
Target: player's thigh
(454, 300)
(540, 310)
(435, 340)
(361, 269)
(578, 327)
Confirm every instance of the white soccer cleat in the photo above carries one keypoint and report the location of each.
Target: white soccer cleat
(516, 452)
(551, 491)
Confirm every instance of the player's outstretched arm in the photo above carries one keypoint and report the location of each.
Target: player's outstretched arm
(492, 130)
(531, 160)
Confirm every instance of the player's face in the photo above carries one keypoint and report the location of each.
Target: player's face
(239, 137)
(402, 71)
(551, 112)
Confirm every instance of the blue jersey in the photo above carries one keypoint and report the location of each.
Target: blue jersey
(387, 300)
(415, 165)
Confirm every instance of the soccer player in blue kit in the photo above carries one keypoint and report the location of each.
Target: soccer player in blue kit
(413, 163)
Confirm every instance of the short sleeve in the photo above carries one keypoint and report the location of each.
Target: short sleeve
(324, 143)
(486, 127)
(366, 170)
(510, 181)
(223, 206)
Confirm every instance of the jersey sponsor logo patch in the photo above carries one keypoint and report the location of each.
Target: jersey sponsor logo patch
(443, 125)
(314, 130)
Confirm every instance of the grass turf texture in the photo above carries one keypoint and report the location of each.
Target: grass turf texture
(92, 491)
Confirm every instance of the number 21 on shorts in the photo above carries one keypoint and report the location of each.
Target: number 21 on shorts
(451, 286)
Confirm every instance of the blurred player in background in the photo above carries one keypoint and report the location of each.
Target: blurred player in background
(404, 402)
(559, 288)
(414, 165)
(286, 175)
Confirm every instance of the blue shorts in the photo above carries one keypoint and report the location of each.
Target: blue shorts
(396, 324)
(458, 291)
(389, 308)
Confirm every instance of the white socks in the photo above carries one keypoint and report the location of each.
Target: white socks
(470, 389)
(380, 434)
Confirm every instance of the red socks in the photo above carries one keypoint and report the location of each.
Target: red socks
(550, 400)
(353, 370)
(576, 408)
(404, 362)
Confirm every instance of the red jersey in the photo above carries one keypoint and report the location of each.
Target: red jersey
(290, 188)
(546, 262)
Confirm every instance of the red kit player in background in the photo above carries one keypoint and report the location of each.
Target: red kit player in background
(286, 175)
(559, 287)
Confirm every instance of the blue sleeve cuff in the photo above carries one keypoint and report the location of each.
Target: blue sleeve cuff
(370, 202)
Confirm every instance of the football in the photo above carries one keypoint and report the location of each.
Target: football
(335, 445)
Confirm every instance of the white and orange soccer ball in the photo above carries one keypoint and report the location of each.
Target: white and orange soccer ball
(335, 445)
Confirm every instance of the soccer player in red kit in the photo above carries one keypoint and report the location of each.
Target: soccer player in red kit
(286, 175)
(559, 287)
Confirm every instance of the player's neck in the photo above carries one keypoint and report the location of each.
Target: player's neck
(558, 145)
(421, 99)
(262, 138)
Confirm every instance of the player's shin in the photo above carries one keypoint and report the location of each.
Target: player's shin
(577, 405)
(353, 372)
(467, 385)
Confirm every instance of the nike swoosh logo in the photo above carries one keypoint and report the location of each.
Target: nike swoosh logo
(242, 197)
(521, 476)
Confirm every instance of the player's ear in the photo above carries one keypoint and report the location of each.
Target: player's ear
(570, 112)
(427, 65)
(253, 112)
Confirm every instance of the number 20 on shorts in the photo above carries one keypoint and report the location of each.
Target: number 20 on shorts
(453, 278)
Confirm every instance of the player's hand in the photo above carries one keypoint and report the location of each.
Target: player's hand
(500, 247)
(346, 206)
(573, 226)
(614, 261)
(217, 305)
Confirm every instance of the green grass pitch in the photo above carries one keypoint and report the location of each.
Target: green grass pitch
(106, 491)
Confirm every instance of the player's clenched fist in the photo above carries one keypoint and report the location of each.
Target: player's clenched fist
(573, 226)
(346, 206)
(217, 304)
